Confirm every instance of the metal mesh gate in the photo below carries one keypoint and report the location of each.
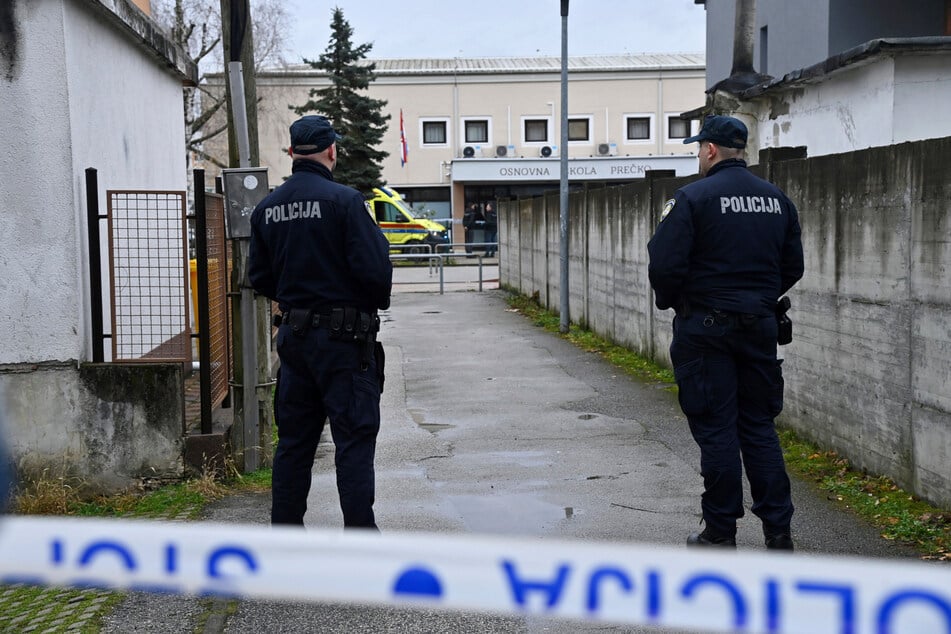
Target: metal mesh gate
(149, 276)
(219, 307)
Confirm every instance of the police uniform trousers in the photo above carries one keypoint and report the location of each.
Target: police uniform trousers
(322, 379)
(730, 389)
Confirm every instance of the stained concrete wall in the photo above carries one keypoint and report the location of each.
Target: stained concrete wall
(868, 371)
(130, 428)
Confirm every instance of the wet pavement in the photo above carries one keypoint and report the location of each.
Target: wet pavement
(492, 425)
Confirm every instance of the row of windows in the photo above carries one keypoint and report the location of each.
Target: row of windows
(637, 129)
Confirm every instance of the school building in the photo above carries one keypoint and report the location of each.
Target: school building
(480, 129)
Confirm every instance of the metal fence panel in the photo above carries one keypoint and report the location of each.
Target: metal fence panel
(149, 272)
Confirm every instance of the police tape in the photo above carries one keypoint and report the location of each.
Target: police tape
(597, 581)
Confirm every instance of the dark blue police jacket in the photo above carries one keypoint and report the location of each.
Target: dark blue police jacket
(730, 241)
(314, 245)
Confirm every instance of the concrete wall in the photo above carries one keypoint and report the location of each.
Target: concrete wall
(132, 430)
(868, 371)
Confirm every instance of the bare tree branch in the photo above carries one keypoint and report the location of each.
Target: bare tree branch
(195, 25)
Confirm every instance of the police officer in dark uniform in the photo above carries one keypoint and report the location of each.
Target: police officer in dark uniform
(317, 252)
(727, 247)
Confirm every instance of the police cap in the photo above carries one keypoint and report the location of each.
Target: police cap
(722, 130)
(312, 134)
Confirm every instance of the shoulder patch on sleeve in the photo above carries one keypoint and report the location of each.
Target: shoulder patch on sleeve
(667, 207)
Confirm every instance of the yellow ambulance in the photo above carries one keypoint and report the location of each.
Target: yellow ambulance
(400, 226)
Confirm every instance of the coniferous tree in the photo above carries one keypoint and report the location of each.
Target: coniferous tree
(354, 115)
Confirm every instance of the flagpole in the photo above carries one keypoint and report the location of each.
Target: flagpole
(403, 150)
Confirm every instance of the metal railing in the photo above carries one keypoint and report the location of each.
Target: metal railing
(437, 261)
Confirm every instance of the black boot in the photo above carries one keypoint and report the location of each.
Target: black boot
(707, 539)
(779, 541)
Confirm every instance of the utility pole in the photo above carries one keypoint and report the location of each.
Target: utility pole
(253, 409)
(563, 206)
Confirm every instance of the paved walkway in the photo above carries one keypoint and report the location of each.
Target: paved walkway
(491, 424)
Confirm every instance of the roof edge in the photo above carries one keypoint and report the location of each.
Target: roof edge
(147, 33)
(855, 55)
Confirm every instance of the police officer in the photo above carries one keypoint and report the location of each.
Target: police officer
(316, 251)
(727, 247)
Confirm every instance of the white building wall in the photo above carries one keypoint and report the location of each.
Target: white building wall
(126, 120)
(66, 109)
(38, 246)
(884, 101)
(922, 91)
(851, 110)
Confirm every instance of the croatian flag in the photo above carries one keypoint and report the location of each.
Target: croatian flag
(403, 152)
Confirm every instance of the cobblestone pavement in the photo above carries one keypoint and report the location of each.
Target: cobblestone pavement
(25, 608)
(33, 609)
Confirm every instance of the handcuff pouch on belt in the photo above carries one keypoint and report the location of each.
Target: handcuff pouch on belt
(349, 324)
(299, 319)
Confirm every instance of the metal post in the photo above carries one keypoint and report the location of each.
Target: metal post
(202, 318)
(240, 113)
(441, 275)
(480, 273)
(563, 206)
(249, 327)
(95, 263)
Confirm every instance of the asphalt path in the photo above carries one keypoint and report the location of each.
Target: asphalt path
(492, 425)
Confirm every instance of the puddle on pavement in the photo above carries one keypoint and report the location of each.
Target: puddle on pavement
(509, 514)
(432, 428)
(523, 458)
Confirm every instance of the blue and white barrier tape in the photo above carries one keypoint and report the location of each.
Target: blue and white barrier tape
(598, 581)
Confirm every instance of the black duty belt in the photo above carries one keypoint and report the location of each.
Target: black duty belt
(345, 323)
(319, 320)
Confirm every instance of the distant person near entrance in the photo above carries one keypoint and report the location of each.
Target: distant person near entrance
(471, 220)
(491, 229)
(727, 247)
(318, 253)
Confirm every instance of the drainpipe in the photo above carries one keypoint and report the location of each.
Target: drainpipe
(743, 75)
(743, 32)
(724, 97)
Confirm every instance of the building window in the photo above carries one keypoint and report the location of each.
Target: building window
(476, 131)
(434, 132)
(536, 130)
(637, 128)
(579, 129)
(677, 128)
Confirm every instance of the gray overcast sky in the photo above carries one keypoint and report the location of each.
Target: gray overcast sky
(500, 28)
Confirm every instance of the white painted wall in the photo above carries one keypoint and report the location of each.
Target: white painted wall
(886, 101)
(922, 94)
(38, 247)
(85, 95)
(850, 110)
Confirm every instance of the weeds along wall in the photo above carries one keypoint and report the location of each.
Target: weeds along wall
(869, 370)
